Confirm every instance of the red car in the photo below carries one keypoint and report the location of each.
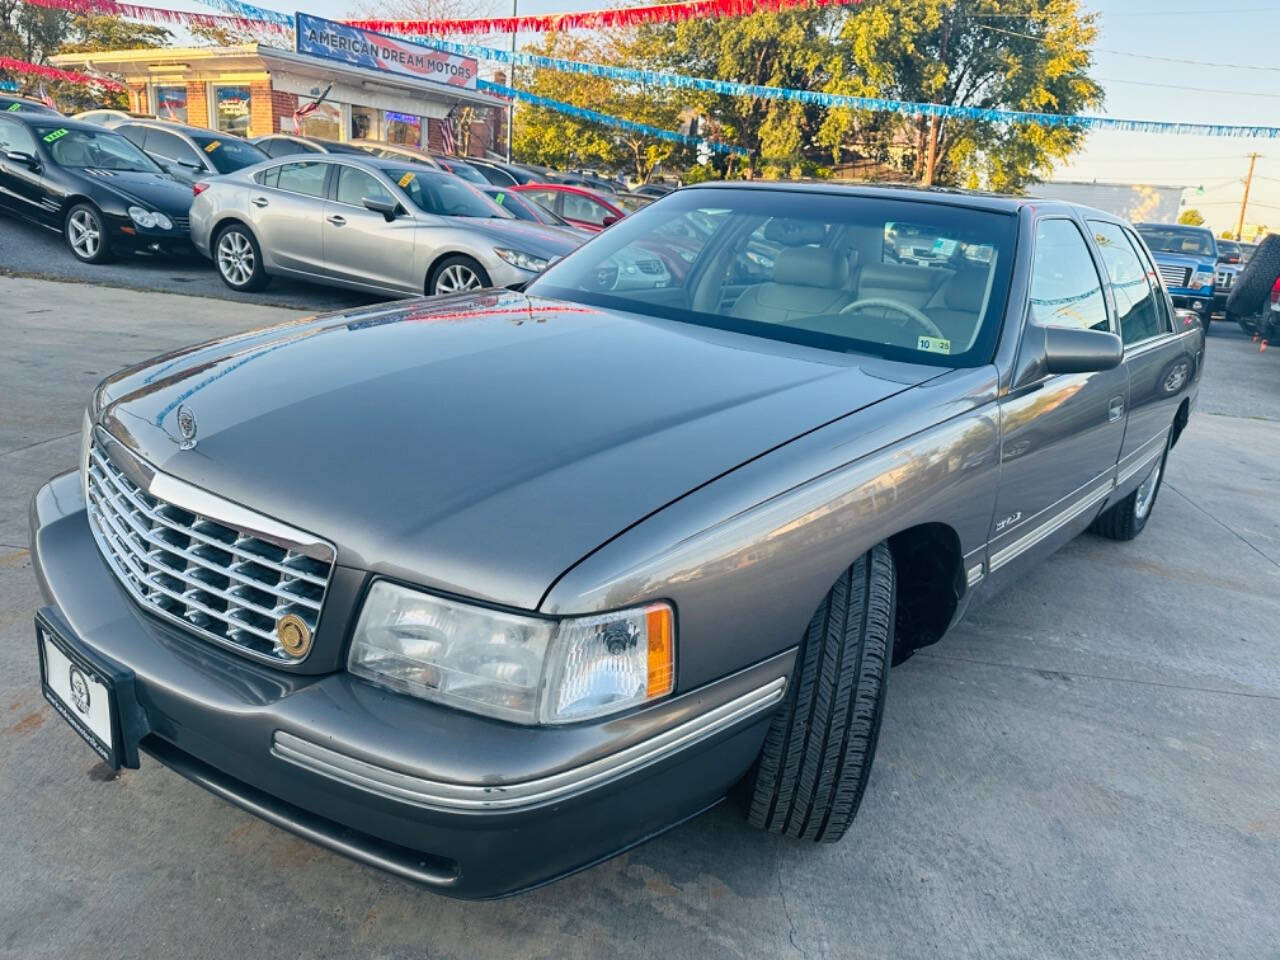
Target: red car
(581, 207)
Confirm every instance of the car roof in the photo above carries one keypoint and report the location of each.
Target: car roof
(1176, 227)
(47, 118)
(995, 202)
(189, 129)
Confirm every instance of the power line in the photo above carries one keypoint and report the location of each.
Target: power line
(1179, 86)
(1141, 56)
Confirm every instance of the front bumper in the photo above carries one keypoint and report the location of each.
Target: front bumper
(127, 235)
(1200, 301)
(471, 807)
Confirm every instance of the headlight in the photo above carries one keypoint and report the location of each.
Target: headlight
(513, 667)
(522, 260)
(148, 218)
(1202, 278)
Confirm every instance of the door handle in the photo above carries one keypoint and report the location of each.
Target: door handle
(1115, 410)
(336, 219)
(259, 201)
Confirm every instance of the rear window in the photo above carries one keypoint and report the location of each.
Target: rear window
(1195, 243)
(228, 153)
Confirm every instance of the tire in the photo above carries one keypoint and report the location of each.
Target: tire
(456, 273)
(1252, 286)
(238, 259)
(811, 774)
(85, 231)
(1126, 519)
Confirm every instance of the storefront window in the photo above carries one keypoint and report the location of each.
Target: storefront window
(403, 128)
(232, 108)
(325, 122)
(364, 123)
(171, 103)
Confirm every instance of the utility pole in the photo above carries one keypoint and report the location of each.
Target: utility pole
(511, 81)
(931, 158)
(1248, 182)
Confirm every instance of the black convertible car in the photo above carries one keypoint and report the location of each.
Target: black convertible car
(97, 188)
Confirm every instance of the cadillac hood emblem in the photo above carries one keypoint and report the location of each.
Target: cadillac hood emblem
(186, 427)
(294, 635)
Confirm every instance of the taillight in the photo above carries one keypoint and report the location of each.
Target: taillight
(199, 188)
(1275, 291)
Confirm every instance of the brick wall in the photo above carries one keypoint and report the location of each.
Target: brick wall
(261, 109)
(283, 106)
(197, 105)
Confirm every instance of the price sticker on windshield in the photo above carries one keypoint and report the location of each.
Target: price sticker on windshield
(212, 146)
(499, 197)
(14, 107)
(405, 180)
(933, 344)
(56, 135)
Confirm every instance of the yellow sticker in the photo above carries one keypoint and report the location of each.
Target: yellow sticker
(405, 180)
(933, 344)
(213, 146)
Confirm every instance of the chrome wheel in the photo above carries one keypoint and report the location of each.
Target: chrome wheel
(84, 233)
(457, 277)
(1147, 492)
(236, 259)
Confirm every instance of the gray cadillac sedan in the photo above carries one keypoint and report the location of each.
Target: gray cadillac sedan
(367, 223)
(485, 589)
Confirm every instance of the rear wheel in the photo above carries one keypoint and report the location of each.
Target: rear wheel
(239, 259)
(1126, 519)
(457, 274)
(812, 771)
(85, 231)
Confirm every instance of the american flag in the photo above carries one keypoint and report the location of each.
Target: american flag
(302, 111)
(46, 99)
(446, 133)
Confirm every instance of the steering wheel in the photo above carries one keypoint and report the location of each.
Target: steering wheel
(911, 313)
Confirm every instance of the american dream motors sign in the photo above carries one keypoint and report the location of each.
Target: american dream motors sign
(376, 51)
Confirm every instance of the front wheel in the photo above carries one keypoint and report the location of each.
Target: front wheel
(239, 259)
(457, 274)
(86, 234)
(1126, 519)
(812, 771)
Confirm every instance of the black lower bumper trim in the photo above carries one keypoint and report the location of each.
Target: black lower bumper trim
(412, 865)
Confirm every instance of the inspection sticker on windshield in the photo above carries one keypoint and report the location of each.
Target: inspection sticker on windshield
(933, 344)
(56, 135)
(214, 145)
(14, 107)
(405, 180)
(499, 197)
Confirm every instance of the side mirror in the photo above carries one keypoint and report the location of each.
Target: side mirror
(1068, 350)
(20, 156)
(390, 209)
(609, 220)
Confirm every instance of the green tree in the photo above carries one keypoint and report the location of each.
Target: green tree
(31, 33)
(790, 49)
(1028, 55)
(1191, 217)
(89, 33)
(546, 136)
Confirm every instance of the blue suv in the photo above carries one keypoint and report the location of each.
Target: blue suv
(1186, 258)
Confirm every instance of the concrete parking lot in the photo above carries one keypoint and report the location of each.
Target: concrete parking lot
(1088, 767)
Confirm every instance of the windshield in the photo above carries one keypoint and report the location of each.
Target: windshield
(823, 269)
(462, 170)
(99, 149)
(440, 193)
(228, 154)
(1171, 240)
(523, 208)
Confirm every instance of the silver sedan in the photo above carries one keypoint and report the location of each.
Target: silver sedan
(376, 225)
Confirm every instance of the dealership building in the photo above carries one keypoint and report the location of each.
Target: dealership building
(254, 89)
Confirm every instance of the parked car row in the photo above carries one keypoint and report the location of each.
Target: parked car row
(377, 217)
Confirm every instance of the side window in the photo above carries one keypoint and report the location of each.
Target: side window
(1136, 301)
(172, 149)
(1065, 289)
(545, 197)
(268, 177)
(306, 177)
(1163, 311)
(354, 185)
(14, 136)
(578, 207)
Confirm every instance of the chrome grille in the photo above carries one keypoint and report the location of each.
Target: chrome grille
(1175, 276)
(228, 584)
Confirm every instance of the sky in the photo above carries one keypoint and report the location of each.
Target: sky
(1235, 39)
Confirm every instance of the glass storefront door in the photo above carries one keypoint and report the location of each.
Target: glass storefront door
(403, 128)
(171, 103)
(231, 108)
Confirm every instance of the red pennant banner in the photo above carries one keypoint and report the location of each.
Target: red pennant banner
(53, 73)
(593, 19)
(161, 16)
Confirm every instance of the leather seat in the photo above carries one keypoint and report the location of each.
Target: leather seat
(807, 281)
(958, 314)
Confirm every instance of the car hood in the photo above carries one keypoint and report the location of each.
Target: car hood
(155, 191)
(480, 444)
(541, 241)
